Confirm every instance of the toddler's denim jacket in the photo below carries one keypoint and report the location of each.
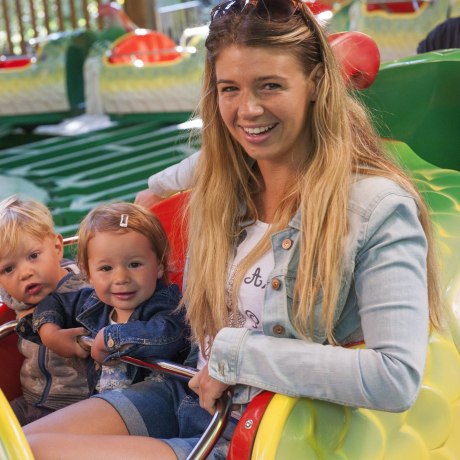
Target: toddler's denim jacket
(156, 329)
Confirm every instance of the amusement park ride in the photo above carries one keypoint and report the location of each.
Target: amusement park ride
(139, 74)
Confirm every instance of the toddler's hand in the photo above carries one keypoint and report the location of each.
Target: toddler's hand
(64, 342)
(99, 351)
(70, 347)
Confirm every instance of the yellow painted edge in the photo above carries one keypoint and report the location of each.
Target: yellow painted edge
(12, 437)
(271, 427)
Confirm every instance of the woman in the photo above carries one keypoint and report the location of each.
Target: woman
(304, 240)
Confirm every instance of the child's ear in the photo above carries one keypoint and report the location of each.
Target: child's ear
(316, 76)
(161, 271)
(59, 244)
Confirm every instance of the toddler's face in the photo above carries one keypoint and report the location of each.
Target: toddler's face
(33, 270)
(123, 270)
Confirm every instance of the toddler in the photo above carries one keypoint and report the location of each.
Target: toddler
(31, 267)
(130, 309)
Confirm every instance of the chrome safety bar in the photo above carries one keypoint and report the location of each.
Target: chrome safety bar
(8, 328)
(223, 405)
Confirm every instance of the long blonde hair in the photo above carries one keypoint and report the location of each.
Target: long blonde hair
(343, 144)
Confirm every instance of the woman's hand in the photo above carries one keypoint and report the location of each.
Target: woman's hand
(207, 388)
(147, 198)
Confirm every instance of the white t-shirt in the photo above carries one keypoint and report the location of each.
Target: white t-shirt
(252, 289)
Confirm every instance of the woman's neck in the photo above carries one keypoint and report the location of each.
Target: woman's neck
(274, 183)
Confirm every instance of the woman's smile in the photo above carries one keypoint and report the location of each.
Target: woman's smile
(258, 134)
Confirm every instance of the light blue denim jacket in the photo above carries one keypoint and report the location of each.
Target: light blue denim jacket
(383, 301)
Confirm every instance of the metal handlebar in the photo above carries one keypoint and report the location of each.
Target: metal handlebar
(8, 328)
(223, 405)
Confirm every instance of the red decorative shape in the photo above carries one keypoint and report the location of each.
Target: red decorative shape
(11, 62)
(114, 12)
(145, 46)
(246, 429)
(172, 214)
(395, 7)
(318, 7)
(10, 358)
(359, 57)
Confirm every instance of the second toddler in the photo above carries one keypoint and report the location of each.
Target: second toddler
(31, 267)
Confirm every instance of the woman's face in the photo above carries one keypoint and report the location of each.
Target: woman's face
(263, 97)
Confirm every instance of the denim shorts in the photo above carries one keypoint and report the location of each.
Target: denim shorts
(165, 408)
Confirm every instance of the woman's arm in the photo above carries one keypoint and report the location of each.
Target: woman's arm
(174, 179)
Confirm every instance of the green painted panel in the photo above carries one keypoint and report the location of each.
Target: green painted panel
(76, 173)
(417, 100)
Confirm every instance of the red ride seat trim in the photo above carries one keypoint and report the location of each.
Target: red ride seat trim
(246, 429)
(10, 358)
(172, 214)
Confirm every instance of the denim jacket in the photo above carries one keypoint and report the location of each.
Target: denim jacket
(154, 330)
(383, 300)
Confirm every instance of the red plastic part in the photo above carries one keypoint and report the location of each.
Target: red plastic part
(11, 62)
(114, 12)
(246, 430)
(148, 47)
(318, 7)
(172, 215)
(395, 7)
(10, 358)
(359, 57)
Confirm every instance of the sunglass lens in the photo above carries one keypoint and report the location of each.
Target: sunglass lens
(223, 8)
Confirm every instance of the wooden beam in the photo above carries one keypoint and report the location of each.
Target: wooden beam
(33, 17)
(100, 22)
(6, 17)
(142, 12)
(22, 44)
(46, 12)
(73, 16)
(86, 13)
(60, 15)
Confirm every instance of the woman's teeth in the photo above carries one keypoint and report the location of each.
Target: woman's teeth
(260, 130)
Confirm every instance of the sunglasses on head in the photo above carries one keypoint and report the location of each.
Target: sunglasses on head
(270, 10)
(275, 10)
